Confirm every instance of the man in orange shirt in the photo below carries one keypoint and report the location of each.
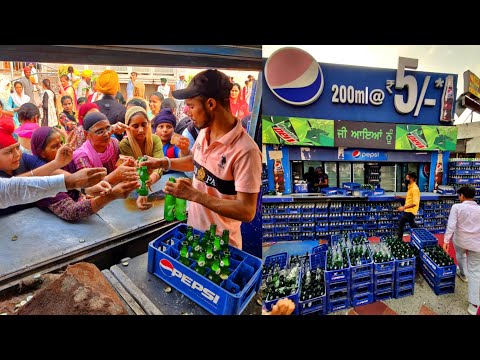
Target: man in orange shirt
(412, 203)
(226, 161)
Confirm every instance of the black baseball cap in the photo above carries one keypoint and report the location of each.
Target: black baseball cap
(210, 83)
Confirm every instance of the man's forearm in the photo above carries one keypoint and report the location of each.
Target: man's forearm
(234, 209)
(23, 190)
(182, 164)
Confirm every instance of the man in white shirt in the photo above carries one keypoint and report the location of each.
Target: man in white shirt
(24, 190)
(130, 84)
(163, 88)
(464, 227)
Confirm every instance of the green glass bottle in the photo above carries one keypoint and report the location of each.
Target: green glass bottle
(217, 244)
(200, 267)
(196, 247)
(225, 265)
(224, 240)
(209, 254)
(214, 274)
(184, 254)
(169, 206)
(143, 175)
(213, 230)
(189, 235)
(180, 209)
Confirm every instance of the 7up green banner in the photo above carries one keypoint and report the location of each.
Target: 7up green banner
(297, 131)
(426, 137)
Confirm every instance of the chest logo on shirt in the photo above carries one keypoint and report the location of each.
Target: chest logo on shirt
(222, 162)
(201, 174)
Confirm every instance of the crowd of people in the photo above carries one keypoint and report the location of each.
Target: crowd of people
(90, 125)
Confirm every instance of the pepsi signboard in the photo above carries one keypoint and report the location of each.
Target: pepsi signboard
(364, 155)
(296, 85)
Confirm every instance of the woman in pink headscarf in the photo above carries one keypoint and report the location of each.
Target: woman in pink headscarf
(28, 115)
(101, 150)
(71, 205)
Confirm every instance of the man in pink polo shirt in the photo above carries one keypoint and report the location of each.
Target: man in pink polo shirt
(226, 162)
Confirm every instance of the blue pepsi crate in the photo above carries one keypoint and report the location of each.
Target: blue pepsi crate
(438, 289)
(383, 278)
(307, 228)
(319, 249)
(384, 216)
(405, 275)
(361, 281)
(329, 191)
(384, 287)
(268, 219)
(338, 304)
(400, 293)
(363, 299)
(438, 281)
(405, 264)
(351, 185)
(332, 276)
(386, 267)
(370, 226)
(229, 298)
(352, 235)
(335, 217)
(334, 238)
(321, 228)
(424, 243)
(281, 259)
(335, 227)
(321, 210)
(384, 295)
(294, 297)
(378, 191)
(423, 235)
(370, 217)
(459, 172)
(439, 271)
(344, 192)
(318, 304)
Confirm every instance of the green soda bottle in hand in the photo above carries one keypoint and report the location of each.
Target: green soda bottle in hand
(169, 206)
(144, 176)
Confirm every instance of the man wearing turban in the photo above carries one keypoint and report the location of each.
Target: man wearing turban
(83, 88)
(163, 88)
(108, 85)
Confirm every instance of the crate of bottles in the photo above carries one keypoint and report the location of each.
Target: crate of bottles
(282, 284)
(439, 287)
(402, 252)
(383, 260)
(338, 265)
(239, 281)
(312, 290)
(272, 261)
(439, 262)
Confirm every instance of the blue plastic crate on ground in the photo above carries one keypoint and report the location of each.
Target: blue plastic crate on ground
(338, 299)
(405, 275)
(363, 299)
(440, 271)
(337, 275)
(404, 291)
(438, 289)
(384, 295)
(438, 281)
(230, 297)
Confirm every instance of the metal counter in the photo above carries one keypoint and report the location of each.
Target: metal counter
(42, 238)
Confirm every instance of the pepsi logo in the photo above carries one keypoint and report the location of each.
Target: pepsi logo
(294, 76)
(356, 153)
(166, 267)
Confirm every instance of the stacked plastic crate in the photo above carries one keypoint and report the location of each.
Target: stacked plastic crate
(316, 265)
(361, 269)
(337, 274)
(383, 271)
